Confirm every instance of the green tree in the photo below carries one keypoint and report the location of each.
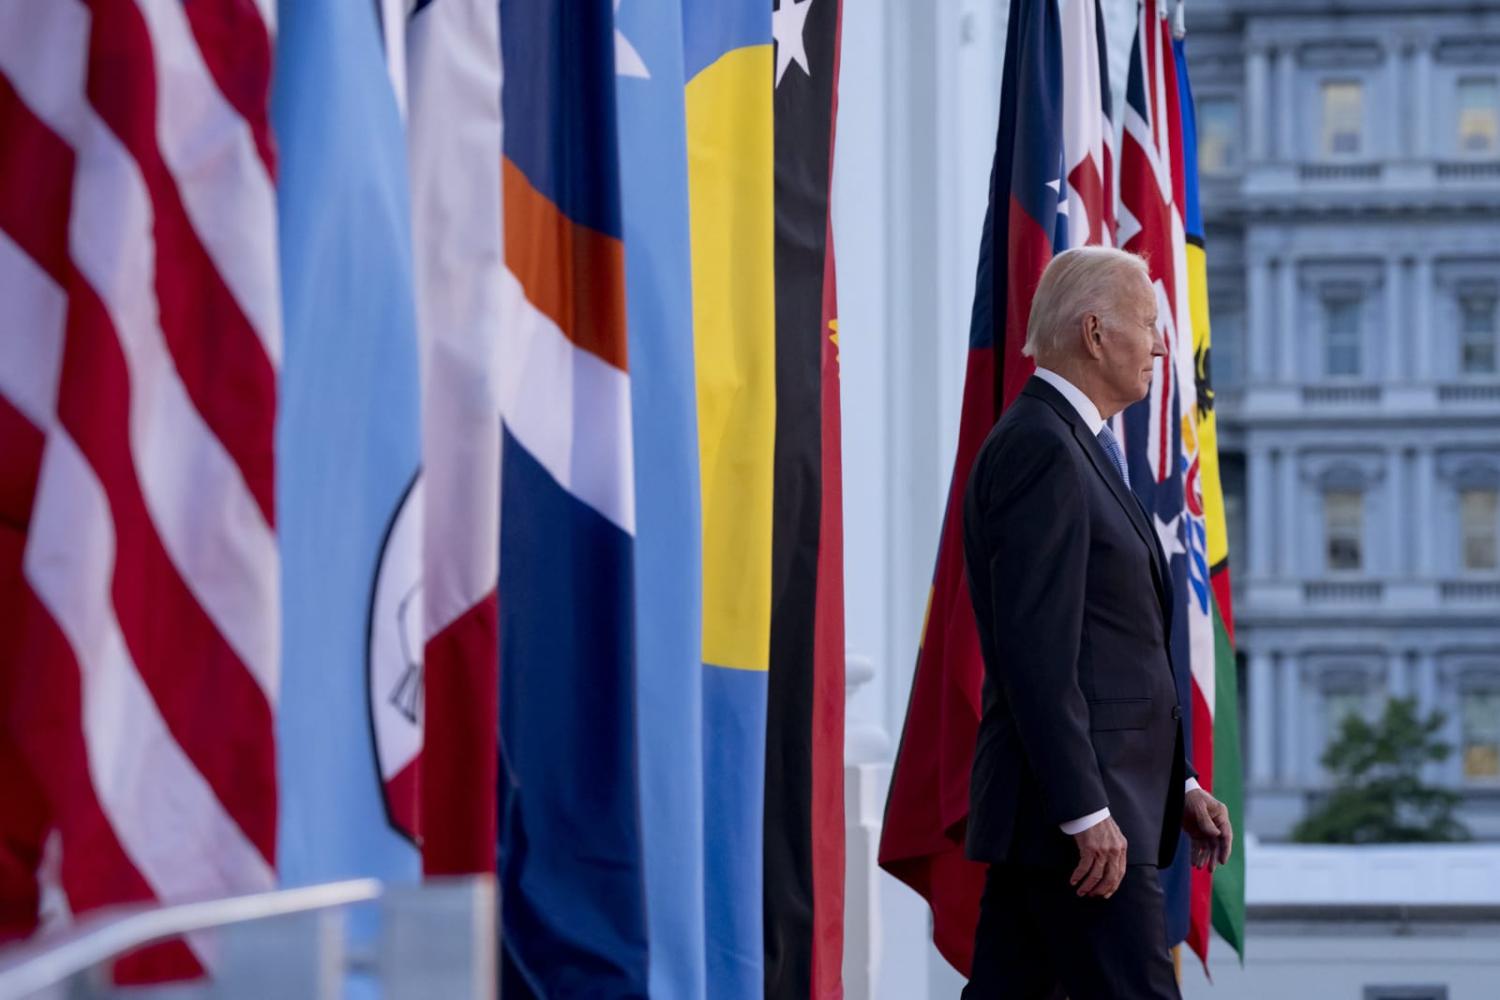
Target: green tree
(1379, 796)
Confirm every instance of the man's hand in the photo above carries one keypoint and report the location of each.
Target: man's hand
(1206, 821)
(1101, 860)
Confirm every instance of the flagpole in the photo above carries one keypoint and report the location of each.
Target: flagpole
(1179, 20)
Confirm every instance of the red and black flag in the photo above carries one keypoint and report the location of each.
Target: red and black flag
(1045, 196)
(804, 822)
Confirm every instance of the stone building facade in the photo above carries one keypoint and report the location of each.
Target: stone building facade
(1350, 162)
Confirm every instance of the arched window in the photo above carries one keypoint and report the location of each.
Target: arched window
(1343, 484)
(1479, 724)
(1474, 477)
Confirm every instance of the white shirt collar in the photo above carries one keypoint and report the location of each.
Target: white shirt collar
(1074, 395)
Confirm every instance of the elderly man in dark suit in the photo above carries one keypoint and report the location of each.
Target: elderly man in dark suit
(1081, 779)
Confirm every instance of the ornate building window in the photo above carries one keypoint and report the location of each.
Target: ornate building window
(1218, 135)
(1479, 727)
(1472, 515)
(1343, 530)
(1227, 353)
(1343, 118)
(1341, 332)
(1338, 705)
(1344, 686)
(1477, 326)
(1479, 522)
(1478, 115)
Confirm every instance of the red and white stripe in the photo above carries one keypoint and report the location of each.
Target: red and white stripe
(144, 345)
(1086, 130)
(453, 85)
(1150, 223)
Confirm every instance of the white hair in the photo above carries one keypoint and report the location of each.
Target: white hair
(1077, 282)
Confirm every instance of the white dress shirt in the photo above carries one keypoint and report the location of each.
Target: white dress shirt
(1091, 418)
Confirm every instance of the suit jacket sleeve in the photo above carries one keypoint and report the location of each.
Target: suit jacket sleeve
(1036, 518)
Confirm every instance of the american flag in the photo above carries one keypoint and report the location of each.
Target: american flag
(138, 372)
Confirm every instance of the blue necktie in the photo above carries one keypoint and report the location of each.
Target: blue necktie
(1111, 446)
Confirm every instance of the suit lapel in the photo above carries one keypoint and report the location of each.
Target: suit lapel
(1122, 493)
(1106, 469)
(1159, 561)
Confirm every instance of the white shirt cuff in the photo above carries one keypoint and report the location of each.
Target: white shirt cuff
(1076, 826)
(1073, 827)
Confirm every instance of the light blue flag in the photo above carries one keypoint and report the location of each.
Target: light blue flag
(348, 442)
(669, 680)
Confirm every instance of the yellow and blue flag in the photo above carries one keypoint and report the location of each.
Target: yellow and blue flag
(728, 67)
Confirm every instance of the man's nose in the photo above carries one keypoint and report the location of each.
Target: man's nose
(1158, 345)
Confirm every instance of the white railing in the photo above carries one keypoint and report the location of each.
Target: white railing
(1340, 171)
(1469, 170)
(1343, 591)
(1341, 395)
(436, 939)
(867, 772)
(1467, 392)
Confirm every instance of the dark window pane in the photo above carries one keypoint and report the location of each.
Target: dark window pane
(1343, 521)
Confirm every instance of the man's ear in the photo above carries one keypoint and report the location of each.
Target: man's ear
(1093, 335)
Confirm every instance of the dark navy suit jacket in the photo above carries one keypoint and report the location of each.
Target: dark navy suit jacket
(1073, 600)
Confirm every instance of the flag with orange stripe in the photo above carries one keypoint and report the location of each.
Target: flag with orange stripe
(570, 860)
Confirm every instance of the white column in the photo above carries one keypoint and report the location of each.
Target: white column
(1423, 321)
(1289, 338)
(1451, 701)
(865, 739)
(1289, 520)
(1422, 99)
(1425, 515)
(1290, 715)
(1409, 111)
(1392, 140)
(1258, 326)
(1395, 331)
(1427, 700)
(1286, 106)
(1257, 86)
(1407, 534)
(1397, 516)
(1262, 718)
(1395, 674)
(1260, 505)
(1427, 686)
(915, 383)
